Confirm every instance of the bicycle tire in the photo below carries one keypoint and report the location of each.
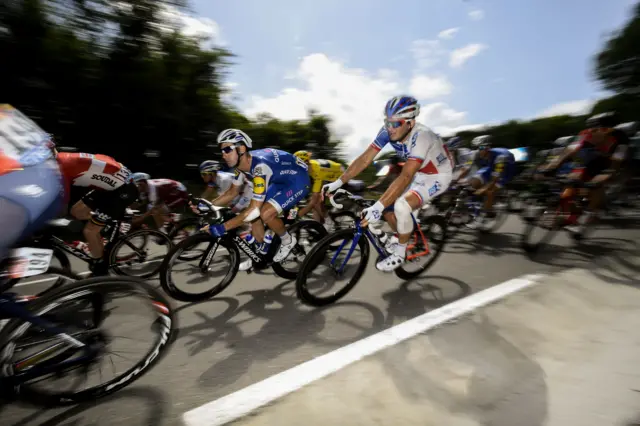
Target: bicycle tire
(314, 258)
(180, 226)
(159, 304)
(315, 227)
(146, 233)
(401, 272)
(530, 225)
(167, 282)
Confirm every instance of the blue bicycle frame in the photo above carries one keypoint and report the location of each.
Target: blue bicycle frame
(356, 238)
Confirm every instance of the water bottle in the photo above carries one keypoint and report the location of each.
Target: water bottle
(268, 238)
(249, 239)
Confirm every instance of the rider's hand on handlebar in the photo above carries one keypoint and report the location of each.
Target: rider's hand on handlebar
(331, 187)
(372, 214)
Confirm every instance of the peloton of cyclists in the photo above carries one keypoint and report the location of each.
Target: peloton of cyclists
(599, 155)
(426, 173)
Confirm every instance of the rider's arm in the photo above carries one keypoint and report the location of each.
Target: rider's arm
(498, 170)
(254, 206)
(208, 193)
(228, 196)
(359, 164)
(261, 180)
(569, 152)
(398, 186)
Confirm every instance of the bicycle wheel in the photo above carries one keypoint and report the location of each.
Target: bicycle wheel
(345, 241)
(197, 281)
(417, 250)
(344, 219)
(549, 219)
(184, 229)
(26, 375)
(308, 233)
(122, 264)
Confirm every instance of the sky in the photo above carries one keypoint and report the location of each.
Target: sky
(469, 62)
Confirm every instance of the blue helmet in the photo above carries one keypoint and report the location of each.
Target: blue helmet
(403, 107)
(210, 166)
(454, 142)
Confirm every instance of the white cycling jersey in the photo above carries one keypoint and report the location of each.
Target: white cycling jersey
(423, 145)
(223, 182)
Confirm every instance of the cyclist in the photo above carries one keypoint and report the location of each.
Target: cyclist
(280, 181)
(217, 181)
(163, 196)
(111, 192)
(495, 168)
(426, 173)
(462, 157)
(599, 154)
(320, 171)
(32, 189)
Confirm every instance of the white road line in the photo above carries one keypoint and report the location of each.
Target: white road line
(244, 401)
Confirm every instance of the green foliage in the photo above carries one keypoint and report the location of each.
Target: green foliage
(118, 78)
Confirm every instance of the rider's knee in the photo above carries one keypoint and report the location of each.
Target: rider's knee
(268, 213)
(403, 210)
(475, 182)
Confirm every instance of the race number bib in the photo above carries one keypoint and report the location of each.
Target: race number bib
(20, 137)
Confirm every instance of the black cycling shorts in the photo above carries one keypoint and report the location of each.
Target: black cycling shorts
(110, 205)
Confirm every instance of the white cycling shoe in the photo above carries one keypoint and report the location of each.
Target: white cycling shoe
(284, 250)
(390, 263)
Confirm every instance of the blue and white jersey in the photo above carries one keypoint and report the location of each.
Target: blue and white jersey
(422, 145)
(499, 160)
(272, 167)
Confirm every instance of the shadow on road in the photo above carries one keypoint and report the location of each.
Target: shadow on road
(470, 369)
(149, 400)
(413, 298)
(279, 324)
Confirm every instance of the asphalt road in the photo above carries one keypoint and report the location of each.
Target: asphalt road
(257, 328)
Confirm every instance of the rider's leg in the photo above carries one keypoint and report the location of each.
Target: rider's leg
(423, 188)
(280, 198)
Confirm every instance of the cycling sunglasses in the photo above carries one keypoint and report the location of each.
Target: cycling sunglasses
(228, 149)
(393, 124)
(207, 173)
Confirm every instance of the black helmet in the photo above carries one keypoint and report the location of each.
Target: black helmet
(606, 119)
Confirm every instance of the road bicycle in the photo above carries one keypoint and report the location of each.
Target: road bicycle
(425, 245)
(229, 246)
(61, 336)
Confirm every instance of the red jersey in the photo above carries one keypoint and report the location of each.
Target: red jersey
(167, 191)
(95, 171)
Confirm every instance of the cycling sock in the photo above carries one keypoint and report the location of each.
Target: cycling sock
(401, 250)
(285, 238)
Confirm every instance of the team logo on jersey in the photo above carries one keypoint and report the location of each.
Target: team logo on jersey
(258, 170)
(259, 185)
(414, 139)
(434, 189)
(441, 158)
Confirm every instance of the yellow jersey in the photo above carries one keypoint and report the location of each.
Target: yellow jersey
(321, 171)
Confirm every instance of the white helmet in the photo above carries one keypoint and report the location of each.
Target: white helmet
(234, 136)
